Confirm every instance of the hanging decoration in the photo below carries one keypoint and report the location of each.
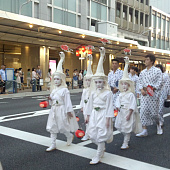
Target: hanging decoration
(105, 41)
(127, 51)
(66, 48)
(84, 50)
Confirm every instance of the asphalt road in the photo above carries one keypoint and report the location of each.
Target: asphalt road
(24, 139)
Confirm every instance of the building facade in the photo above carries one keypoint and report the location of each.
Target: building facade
(163, 5)
(160, 32)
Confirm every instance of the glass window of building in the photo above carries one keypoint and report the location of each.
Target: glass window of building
(49, 1)
(162, 44)
(136, 17)
(154, 21)
(158, 43)
(147, 2)
(59, 3)
(159, 22)
(94, 9)
(130, 15)
(72, 5)
(167, 45)
(125, 12)
(49, 14)
(103, 12)
(146, 20)
(142, 1)
(71, 19)
(58, 16)
(167, 25)
(141, 19)
(153, 42)
(118, 10)
(36, 10)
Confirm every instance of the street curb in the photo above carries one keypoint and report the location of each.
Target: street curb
(25, 94)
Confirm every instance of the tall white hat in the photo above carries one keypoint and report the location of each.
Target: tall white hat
(100, 70)
(59, 72)
(126, 78)
(89, 73)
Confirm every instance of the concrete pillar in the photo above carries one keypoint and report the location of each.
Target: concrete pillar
(29, 58)
(133, 19)
(112, 11)
(44, 61)
(83, 22)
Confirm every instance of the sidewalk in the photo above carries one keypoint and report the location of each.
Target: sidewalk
(28, 92)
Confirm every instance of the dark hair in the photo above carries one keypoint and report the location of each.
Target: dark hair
(49, 70)
(152, 57)
(20, 68)
(33, 69)
(136, 69)
(133, 68)
(28, 70)
(15, 70)
(115, 60)
(159, 66)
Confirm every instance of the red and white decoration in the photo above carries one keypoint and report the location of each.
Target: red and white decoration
(105, 41)
(150, 90)
(127, 51)
(79, 133)
(66, 48)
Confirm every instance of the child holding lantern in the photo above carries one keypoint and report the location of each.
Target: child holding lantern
(61, 116)
(128, 119)
(99, 111)
(86, 93)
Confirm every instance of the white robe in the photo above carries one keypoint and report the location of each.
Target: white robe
(113, 79)
(84, 99)
(97, 130)
(125, 102)
(58, 120)
(150, 104)
(135, 79)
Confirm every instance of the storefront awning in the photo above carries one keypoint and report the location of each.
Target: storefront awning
(15, 28)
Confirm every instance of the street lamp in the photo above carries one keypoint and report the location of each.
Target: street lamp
(23, 5)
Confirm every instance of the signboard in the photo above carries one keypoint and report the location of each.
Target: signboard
(52, 65)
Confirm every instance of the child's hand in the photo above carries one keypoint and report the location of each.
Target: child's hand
(128, 117)
(107, 122)
(49, 98)
(87, 119)
(81, 109)
(70, 115)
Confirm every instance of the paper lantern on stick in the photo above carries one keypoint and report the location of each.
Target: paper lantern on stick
(115, 113)
(79, 133)
(77, 118)
(83, 49)
(77, 53)
(90, 51)
(44, 104)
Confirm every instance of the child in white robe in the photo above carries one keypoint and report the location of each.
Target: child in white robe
(86, 93)
(100, 111)
(61, 117)
(128, 119)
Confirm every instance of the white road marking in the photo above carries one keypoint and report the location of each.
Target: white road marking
(82, 151)
(17, 98)
(25, 115)
(3, 102)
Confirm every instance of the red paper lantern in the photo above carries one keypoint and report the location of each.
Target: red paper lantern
(79, 133)
(77, 118)
(83, 48)
(77, 53)
(115, 113)
(150, 90)
(90, 51)
(44, 104)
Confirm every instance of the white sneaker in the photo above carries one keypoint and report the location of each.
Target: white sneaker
(159, 130)
(142, 134)
(70, 139)
(51, 148)
(85, 137)
(161, 123)
(124, 146)
(95, 160)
